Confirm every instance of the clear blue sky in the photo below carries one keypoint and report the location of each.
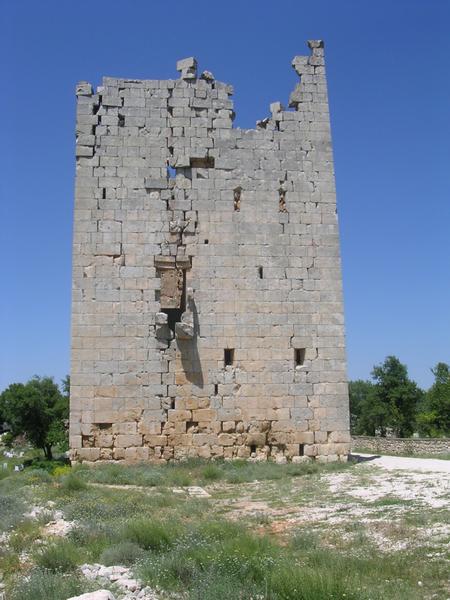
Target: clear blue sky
(389, 84)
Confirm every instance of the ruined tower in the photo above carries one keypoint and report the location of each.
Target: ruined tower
(207, 315)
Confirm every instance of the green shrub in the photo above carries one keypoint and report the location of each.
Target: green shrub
(150, 535)
(212, 472)
(11, 510)
(304, 540)
(61, 470)
(95, 537)
(123, 553)
(59, 556)
(45, 585)
(24, 535)
(72, 483)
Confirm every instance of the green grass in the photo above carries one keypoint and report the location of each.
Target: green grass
(121, 553)
(197, 472)
(46, 585)
(59, 556)
(72, 483)
(151, 534)
(212, 548)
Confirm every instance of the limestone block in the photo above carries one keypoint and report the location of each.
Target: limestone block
(228, 426)
(98, 595)
(301, 459)
(84, 88)
(226, 439)
(126, 440)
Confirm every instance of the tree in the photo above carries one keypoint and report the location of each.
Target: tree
(398, 395)
(38, 410)
(434, 416)
(360, 394)
(388, 403)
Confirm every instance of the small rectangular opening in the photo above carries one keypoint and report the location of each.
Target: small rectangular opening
(302, 450)
(206, 242)
(202, 163)
(216, 389)
(299, 356)
(260, 272)
(172, 402)
(237, 198)
(253, 449)
(103, 193)
(228, 356)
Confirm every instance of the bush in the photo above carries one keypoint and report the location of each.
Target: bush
(150, 535)
(11, 510)
(61, 470)
(123, 553)
(45, 585)
(212, 473)
(60, 556)
(72, 483)
(24, 535)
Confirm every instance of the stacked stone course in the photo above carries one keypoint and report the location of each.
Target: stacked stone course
(207, 315)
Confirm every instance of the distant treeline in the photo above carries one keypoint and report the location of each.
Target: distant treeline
(392, 404)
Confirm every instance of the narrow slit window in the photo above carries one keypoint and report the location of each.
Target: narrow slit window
(237, 199)
(260, 272)
(172, 403)
(216, 389)
(228, 356)
(299, 356)
(282, 201)
(253, 449)
(103, 193)
(302, 450)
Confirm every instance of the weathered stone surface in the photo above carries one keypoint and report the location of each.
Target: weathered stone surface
(207, 304)
(98, 595)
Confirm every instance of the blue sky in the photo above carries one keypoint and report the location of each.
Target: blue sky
(389, 87)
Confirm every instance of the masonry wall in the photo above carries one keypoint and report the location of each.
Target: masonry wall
(387, 445)
(197, 245)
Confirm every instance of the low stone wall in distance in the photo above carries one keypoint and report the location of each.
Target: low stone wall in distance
(383, 445)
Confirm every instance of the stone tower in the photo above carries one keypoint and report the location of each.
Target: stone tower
(207, 315)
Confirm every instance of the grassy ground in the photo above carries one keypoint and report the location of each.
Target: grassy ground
(266, 531)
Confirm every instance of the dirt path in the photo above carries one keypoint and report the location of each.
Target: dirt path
(431, 465)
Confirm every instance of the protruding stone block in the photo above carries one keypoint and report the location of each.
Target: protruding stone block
(84, 89)
(187, 67)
